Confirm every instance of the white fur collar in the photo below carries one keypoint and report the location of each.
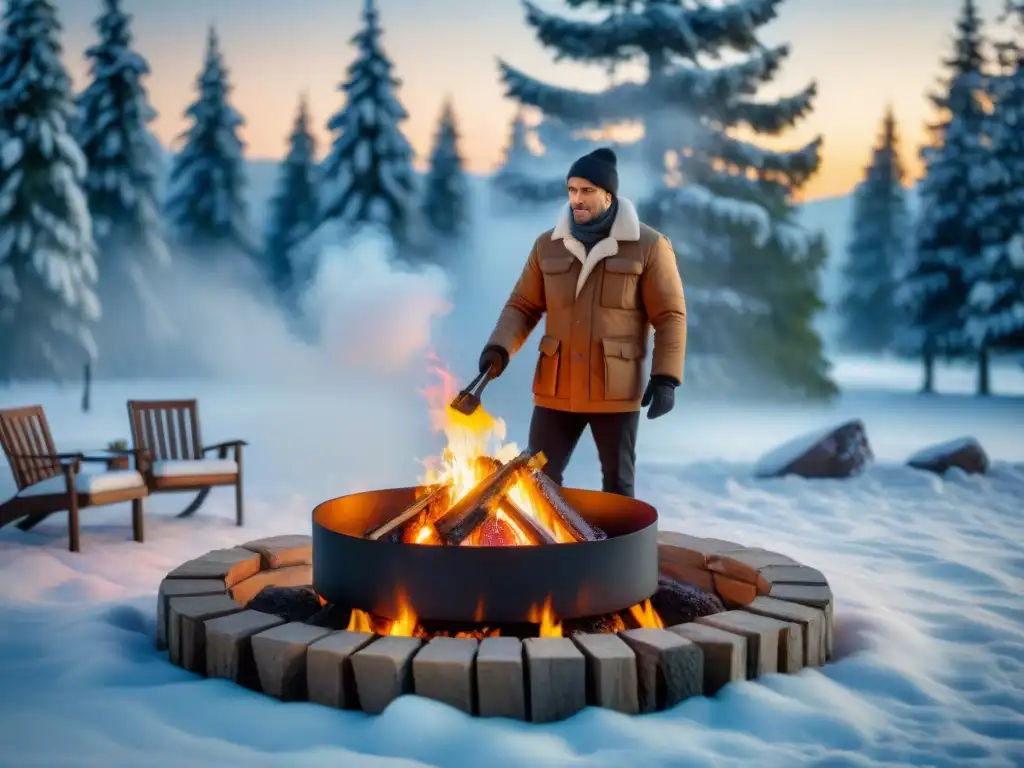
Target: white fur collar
(625, 228)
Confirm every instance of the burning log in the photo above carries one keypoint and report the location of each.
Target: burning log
(531, 528)
(437, 495)
(471, 510)
(579, 528)
(534, 531)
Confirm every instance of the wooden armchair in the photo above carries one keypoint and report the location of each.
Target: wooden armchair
(166, 433)
(50, 482)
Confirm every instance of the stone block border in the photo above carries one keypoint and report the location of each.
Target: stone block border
(780, 619)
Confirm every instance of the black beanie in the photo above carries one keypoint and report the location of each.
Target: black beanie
(599, 167)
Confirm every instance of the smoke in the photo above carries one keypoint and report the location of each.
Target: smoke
(361, 316)
(371, 314)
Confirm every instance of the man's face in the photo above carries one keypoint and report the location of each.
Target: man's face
(587, 200)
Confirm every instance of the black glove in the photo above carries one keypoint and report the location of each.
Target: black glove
(494, 358)
(660, 395)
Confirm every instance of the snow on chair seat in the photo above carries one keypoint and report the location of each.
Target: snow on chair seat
(194, 468)
(43, 475)
(91, 483)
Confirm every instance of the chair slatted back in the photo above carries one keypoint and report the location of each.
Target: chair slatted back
(24, 434)
(167, 429)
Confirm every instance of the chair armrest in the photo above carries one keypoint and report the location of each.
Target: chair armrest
(59, 457)
(113, 453)
(109, 457)
(236, 444)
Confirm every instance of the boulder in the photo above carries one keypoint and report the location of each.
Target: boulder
(836, 452)
(964, 453)
(678, 603)
(289, 603)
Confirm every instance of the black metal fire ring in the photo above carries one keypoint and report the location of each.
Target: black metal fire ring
(485, 584)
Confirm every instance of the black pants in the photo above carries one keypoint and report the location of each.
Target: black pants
(557, 433)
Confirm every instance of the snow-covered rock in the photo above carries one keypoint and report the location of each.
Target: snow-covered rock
(834, 452)
(964, 453)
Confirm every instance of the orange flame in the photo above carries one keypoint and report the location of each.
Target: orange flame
(545, 617)
(462, 465)
(645, 615)
(359, 621)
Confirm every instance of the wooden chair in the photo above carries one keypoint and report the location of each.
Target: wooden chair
(167, 433)
(50, 482)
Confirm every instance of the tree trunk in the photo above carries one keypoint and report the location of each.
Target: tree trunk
(657, 120)
(87, 388)
(984, 384)
(928, 360)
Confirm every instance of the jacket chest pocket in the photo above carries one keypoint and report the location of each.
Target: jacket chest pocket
(559, 281)
(620, 286)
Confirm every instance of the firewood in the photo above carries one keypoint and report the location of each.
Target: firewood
(569, 517)
(534, 531)
(469, 512)
(436, 494)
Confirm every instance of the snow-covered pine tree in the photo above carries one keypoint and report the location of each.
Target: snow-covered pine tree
(518, 157)
(523, 175)
(879, 241)
(47, 255)
(368, 175)
(751, 272)
(123, 168)
(445, 203)
(995, 304)
(294, 209)
(932, 286)
(205, 203)
(672, 37)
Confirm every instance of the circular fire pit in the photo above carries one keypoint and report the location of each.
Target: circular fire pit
(779, 618)
(504, 584)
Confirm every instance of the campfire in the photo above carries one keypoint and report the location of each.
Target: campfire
(485, 493)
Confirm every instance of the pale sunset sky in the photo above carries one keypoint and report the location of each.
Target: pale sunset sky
(863, 54)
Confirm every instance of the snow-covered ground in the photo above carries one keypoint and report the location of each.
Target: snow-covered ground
(928, 575)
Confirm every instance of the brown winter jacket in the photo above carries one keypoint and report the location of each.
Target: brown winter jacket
(599, 307)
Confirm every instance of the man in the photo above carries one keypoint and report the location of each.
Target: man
(602, 279)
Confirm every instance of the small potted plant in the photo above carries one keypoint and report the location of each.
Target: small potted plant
(118, 462)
